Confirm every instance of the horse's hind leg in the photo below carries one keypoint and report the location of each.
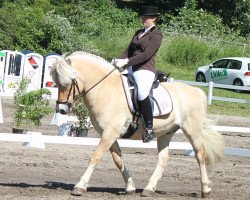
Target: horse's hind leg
(194, 136)
(163, 157)
(117, 157)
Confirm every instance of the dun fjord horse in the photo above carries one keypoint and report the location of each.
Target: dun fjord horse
(100, 84)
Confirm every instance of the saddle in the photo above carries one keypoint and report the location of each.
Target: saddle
(161, 102)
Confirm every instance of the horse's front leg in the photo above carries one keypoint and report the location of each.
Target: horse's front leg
(103, 146)
(163, 157)
(117, 157)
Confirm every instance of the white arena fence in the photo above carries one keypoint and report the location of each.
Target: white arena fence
(212, 85)
(37, 140)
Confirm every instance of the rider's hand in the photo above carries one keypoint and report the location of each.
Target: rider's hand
(120, 62)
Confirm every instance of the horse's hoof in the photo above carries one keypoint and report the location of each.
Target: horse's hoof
(130, 192)
(77, 191)
(205, 195)
(147, 193)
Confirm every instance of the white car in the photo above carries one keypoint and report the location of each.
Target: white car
(230, 71)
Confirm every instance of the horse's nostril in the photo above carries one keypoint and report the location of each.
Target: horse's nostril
(63, 112)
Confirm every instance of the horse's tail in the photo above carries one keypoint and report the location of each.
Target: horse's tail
(214, 143)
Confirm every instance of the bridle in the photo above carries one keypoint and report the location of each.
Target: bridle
(63, 107)
(66, 105)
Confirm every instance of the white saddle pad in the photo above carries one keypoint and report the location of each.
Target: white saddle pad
(162, 100)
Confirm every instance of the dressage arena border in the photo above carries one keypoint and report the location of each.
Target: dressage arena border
(37, 140)
(1, 112)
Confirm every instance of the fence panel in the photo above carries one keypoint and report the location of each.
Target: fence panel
(212, 85)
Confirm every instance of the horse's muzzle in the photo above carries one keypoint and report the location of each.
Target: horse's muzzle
(62, 108)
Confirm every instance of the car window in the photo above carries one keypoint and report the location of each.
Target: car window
(248, 66)
(220, 64)
(235, 64)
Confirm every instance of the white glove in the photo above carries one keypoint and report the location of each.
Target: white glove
(120, 62)
(112, 61)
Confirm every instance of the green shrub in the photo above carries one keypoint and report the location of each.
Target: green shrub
(185, 51)
(196, 22)
(31, 106)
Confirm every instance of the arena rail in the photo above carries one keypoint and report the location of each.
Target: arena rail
(212, 85)
(37, 140)
(1, 112)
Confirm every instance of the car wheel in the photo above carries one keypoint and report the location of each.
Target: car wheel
(238, 82)
(200, 77)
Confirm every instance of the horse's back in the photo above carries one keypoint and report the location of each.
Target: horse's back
(186, 95)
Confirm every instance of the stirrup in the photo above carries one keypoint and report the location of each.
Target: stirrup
(149, 135)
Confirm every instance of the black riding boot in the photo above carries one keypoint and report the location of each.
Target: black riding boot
(147, 114)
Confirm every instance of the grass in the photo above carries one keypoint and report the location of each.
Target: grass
(217, 107)
(229, 108)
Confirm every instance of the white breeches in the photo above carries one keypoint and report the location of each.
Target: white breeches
(144, 80)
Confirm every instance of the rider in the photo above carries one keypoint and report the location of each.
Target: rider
(140, 57)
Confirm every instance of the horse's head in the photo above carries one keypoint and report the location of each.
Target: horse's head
(88, 69)
(64, 76)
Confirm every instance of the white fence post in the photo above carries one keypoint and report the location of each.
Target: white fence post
(210, 92)
(1, 112)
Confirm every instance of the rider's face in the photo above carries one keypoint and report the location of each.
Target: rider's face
(148, 20)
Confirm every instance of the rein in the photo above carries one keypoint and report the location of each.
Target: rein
(99, 81)
(74, 86)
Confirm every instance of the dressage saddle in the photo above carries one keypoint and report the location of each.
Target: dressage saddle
(159, 77)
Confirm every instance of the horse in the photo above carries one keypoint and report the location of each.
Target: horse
(100, 85)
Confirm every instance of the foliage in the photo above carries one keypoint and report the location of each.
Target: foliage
(25, 32)
(81, 111)
(60, 36)
(102, 19)
(31, 106)
(234, 13)
(183, 51)
(197, 22)
(61, 26)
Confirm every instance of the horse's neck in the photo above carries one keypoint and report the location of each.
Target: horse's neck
(100, 98)
(97, 81)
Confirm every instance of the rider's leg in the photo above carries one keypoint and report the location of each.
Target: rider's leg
(147, 114)
(144, 80)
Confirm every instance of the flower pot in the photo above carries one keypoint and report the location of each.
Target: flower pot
(81, 132)
(17, 130)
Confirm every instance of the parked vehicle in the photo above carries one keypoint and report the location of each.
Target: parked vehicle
(230, 71)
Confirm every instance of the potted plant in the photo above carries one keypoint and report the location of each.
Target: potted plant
(82, 114)
(29, 107)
